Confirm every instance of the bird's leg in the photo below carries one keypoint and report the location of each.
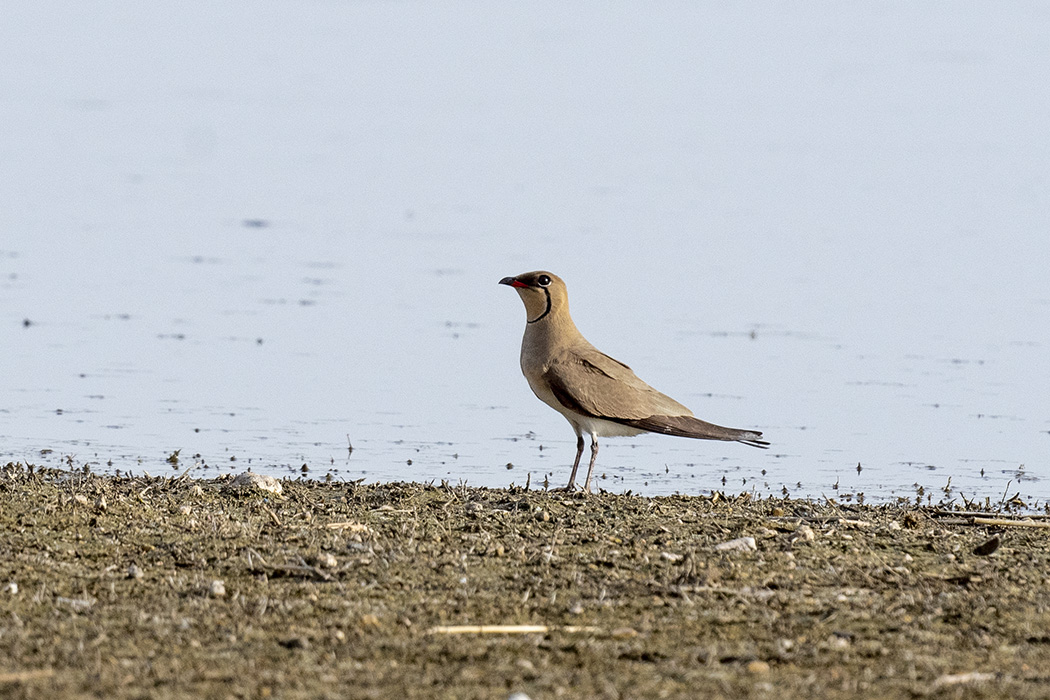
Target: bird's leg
(576, 464)
(594, 456)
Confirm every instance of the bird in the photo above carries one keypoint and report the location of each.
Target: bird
(598, 395)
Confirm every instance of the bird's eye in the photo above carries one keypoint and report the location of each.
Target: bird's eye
(544, 280)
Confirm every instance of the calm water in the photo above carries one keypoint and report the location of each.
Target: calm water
(254, 232)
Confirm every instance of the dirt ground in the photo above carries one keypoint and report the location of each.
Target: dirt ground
(115, 587)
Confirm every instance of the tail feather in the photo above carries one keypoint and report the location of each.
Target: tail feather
(687, 426)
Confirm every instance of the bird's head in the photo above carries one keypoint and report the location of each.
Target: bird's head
(542, 292)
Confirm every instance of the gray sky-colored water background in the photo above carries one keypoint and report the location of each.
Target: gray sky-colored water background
(253, 231)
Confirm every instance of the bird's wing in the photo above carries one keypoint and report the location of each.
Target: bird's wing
(687, 426)
(590, 382)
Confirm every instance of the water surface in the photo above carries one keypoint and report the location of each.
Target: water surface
(258, 234)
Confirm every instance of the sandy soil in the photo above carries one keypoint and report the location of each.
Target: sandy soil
(155, 587)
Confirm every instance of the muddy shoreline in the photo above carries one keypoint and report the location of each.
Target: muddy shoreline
(134, 587)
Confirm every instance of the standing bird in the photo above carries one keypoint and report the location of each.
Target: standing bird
(598, 395)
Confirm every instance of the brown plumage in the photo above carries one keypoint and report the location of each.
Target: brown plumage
(597, 394)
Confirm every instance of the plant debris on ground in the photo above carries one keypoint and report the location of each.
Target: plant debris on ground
(148, 587)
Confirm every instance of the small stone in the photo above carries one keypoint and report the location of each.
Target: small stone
(185, 510)
(894, 525)
(671, 557)
(740, 544)
(836, 641)
(803, 533)
(327, 560)
(576, 609)
(758, 667)
(11, 588)
(100, 504)
(135, 572)
(217, 588)
(518, 696)
(622, 633)
(80, 499)
(249, 481)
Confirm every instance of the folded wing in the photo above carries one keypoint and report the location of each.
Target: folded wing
(591, 383)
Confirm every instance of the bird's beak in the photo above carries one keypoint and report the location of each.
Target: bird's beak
(512, 282)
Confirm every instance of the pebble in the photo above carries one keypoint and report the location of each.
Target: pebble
(135, 572)
(257, 482)
(327, 560)
(804, 533)
(217, 588)
(11, 588)
(671, 556)
(758, 667)
(740, 544)
(837, 642)
(518, 696)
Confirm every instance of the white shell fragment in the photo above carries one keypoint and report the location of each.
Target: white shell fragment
(740, 544)
(804, 533)
(260, 482)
